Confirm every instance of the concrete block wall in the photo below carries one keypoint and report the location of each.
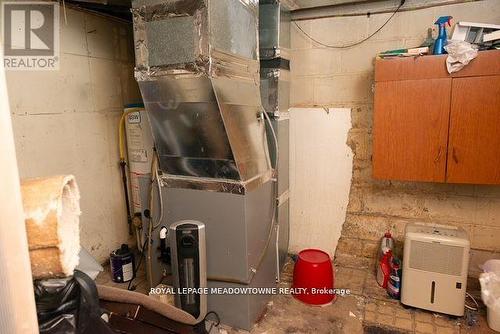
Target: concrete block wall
(66, 121)
(327, 77)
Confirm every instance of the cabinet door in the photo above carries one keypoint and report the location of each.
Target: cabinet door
(410, 127)
(474, 146)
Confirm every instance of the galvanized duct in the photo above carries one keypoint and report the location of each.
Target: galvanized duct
(198, 71)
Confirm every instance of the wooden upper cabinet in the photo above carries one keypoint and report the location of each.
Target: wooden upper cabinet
(474, 144)
(411, 129)
(433, 126)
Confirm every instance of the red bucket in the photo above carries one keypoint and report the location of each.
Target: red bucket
(314, 274)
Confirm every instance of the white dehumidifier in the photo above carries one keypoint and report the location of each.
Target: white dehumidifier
(435, 267)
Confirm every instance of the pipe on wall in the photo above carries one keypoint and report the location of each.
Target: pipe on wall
(18, 311)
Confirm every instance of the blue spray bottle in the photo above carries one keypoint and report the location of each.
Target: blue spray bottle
(442, 38)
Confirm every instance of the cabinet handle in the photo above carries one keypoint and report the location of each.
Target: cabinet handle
(454, 155)
(438, 157)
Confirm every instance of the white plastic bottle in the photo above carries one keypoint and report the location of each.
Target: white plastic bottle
(387, 244)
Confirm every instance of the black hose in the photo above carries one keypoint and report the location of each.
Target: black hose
(217, 323)
(136, 269)
(123, 170)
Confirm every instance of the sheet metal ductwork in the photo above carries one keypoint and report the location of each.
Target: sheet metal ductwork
(197, 66)
(274, 39)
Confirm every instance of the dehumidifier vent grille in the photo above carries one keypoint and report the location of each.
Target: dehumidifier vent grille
(436, 257)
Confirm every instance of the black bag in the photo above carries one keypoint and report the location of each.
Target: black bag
(69, 306)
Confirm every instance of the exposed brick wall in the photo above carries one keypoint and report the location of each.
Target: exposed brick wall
(344, 78)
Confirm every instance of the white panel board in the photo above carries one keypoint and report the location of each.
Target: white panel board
(321, 173)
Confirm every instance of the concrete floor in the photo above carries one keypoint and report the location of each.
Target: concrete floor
(366, 310)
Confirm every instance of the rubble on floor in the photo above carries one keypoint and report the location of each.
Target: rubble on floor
(367, 309)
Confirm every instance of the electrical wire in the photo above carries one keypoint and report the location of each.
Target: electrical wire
(275, 191)
(138, 237)
(213, 324)
(273, 220)
(149, 267)
(355, 43)
(475, 302)
(137, 268)
(152, 226)
(275, 139)
(155, 181)
(262, 254)
(275, 196)
(160, 196)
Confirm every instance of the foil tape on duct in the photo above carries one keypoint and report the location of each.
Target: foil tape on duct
(210, 184)
(200, 85)
(275, 89)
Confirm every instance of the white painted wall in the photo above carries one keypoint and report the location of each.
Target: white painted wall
(320, 176)
(16, 281)
(66, 121)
